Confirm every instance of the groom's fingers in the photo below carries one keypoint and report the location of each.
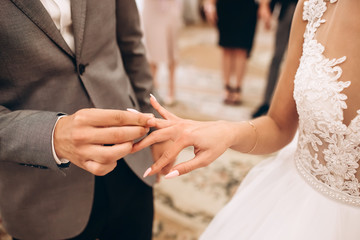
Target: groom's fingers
(98, 169)
(108, 118)
(114, 135)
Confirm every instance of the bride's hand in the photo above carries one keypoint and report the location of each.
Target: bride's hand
(209, 139)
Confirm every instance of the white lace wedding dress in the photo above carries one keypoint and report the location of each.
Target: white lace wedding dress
(310, 190)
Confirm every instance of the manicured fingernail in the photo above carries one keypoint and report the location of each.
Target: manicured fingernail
(132, 110)
(147, 172)
(172, 174)
(153, 97)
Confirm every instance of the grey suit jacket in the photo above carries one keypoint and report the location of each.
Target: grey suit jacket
(41, 77)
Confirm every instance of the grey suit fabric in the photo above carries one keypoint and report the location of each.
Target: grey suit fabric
(40, 77)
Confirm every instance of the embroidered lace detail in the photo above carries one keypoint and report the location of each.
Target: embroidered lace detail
(328, 150)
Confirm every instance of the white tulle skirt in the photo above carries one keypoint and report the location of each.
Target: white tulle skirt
(275, 203)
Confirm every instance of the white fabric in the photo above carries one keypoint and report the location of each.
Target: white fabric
(311, 189)
(328, 150)
(275, 203)
(57, 159)
(60, 12)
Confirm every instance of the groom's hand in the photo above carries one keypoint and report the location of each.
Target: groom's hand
(94, 139)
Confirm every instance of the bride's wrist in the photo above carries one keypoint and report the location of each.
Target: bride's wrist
(231, 132)
(243, 136)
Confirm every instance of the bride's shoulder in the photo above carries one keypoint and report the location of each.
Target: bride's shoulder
(298, 23)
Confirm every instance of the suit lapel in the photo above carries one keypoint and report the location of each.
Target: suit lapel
(36, 12)
(78, 15)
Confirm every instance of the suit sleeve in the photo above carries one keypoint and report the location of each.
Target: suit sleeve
(25, 137)
(129, 39)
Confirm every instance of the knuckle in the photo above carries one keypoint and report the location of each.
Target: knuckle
(203, 164)
(107, 157)
(181, 125)
(80, 116)
(166, 155)
(117, 135)
(119, 117)
(187, 132)
(142, 131)
(99, 170)
(78, 155)
(187, 168)
(183, 140)
(103, 169)
(127, 147)
(112, 166)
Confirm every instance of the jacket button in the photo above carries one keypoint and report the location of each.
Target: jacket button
(82, 68)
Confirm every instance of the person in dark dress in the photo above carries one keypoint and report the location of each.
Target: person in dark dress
(236, 23)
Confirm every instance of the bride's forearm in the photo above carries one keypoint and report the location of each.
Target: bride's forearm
(260, 136)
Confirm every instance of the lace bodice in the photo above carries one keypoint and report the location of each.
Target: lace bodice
(328, 150)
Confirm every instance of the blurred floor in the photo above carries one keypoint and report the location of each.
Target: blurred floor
(185, 205)
(199, 84)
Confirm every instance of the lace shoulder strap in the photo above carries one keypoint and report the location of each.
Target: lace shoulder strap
(314, 9)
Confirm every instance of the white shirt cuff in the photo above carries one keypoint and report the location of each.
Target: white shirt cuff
(57, 160)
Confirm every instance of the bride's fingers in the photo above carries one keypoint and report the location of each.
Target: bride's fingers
(160, 109)
(155, 137)
(199, 161)
(159, 123)
(168, 157)
(166, 169)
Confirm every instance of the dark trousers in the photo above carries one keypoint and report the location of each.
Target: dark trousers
(123, 207)
(281, 42)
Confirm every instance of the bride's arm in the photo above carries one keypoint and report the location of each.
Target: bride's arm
(279, 126)
(210, 139)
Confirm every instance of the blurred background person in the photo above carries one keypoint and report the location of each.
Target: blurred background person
(162, 20)
(236, 23)
(191, 12)
(287, 8)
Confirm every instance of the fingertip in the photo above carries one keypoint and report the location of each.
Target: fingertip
(147, 172)
(153, 97)
(172, 174)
